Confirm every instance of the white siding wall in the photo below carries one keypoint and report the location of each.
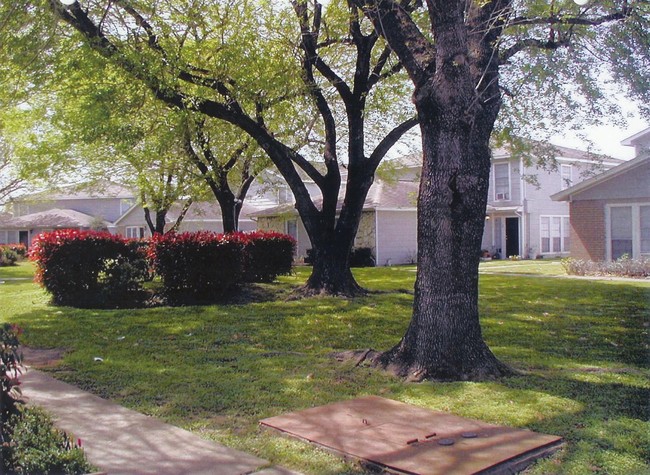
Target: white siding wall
(538, 203)
(397, 237)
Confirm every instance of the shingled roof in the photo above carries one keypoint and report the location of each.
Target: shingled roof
(53, 218)
(382, 195)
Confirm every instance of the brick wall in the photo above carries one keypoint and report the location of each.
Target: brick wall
(588, 230)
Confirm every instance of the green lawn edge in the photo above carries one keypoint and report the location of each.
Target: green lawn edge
(582, 347)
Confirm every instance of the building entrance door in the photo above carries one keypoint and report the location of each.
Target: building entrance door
(512, 237)
(23, 238)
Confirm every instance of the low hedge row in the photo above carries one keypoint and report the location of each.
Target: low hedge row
(98, 269)
(88, 268)
(197, 266)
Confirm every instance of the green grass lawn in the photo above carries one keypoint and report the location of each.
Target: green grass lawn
(582, 347)
(537, 267)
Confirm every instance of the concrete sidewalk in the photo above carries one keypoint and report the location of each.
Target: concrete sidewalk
(121, 441)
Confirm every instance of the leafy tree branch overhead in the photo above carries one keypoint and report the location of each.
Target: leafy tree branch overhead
(269, 70)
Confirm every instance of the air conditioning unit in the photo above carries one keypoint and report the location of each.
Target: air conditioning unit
(502, 196)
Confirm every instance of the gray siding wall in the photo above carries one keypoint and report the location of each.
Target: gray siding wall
(635, 184)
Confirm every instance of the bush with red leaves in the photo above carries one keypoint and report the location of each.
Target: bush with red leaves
(89, 268)
(199, 266)
(268, 255)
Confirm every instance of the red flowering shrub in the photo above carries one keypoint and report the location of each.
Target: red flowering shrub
(199, 266)
(268, 255)
(89, 268)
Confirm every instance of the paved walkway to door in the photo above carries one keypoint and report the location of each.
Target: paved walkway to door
(118, 440)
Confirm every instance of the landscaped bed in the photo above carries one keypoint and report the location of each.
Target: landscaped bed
(582, 347)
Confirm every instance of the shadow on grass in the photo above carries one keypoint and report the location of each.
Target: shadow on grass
(222, 368)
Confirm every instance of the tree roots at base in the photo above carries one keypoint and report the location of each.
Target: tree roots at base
(489, 370)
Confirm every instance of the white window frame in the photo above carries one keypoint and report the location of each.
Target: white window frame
(508, 197)
(636, 229)
(566, 176)
(565, 232)
(139, 232)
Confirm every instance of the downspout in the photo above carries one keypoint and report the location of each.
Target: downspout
(525, 234)
(377, 261)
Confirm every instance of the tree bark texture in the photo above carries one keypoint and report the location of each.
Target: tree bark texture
(457, 99)
(161, 219)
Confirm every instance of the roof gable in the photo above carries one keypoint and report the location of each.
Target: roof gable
(633, 166)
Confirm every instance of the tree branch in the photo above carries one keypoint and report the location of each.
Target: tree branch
(531, 43)
(570, 20)
(393, 21)
(181, 215)
(389, 140)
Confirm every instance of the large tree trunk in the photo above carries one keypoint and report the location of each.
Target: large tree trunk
(444, 340)
(331, 274)
(458, 100)
(332, 239)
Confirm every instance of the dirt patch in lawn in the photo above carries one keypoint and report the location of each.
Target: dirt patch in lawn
(42, 357)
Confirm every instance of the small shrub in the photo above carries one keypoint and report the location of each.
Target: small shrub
(8, 257)
(359, 257)
(362, 257)
(29, 443)
(268, 255)
(200, 266)
(622, 267)
(38, 447)
(89, 268)
(10, 361)
(19, 249)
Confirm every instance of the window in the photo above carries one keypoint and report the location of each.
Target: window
(554, 234)
(567, 176)
(135, 232)
(628, 229)
(292, 228)
(644, 221)
(502, 181)
(285, 195)
(621, 231)
(566, 234)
